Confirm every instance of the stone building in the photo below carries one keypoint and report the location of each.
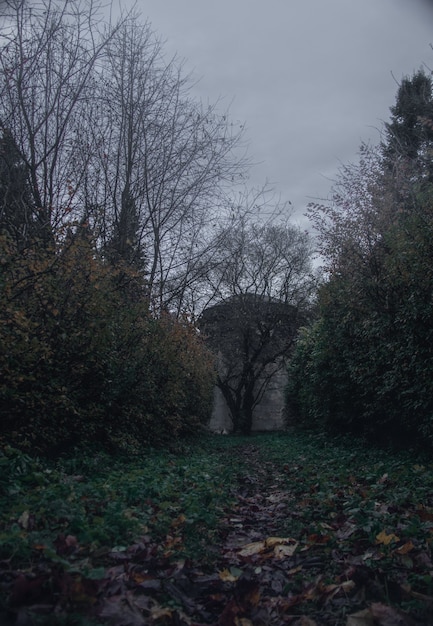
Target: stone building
(252, 338)
(268, 415)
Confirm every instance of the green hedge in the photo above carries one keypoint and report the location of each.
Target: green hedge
(80, 360)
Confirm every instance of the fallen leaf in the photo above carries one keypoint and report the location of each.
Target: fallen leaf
(251, 595)
(227, 577)
(383, 479)
(252, 548)
(270, 542)
(26, 590)
(385, 539)
(139, 577)
(425, 514)
(23, 520)
(346, 530)
(284, 551)
(422, 597)
(276, 497)
(406, 561)
(315, 538)
(424, 560)
(120, 610)
(282, 547)
(372, 554)
(65, 545)
(334, 590)
(360, 618)
(159, 612)
(179, 521)
(404, 549)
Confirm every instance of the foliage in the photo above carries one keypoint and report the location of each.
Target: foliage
(107, 501)
(366, 366)
(17, 217)
(311, 387)
(409, 134)
(80, 361)
(264, 529)
(77, 517)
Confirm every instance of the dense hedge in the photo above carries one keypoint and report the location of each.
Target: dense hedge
(82, 361)
(366, 365)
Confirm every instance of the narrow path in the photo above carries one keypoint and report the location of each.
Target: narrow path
(265, 577)
(300, 542)
(254, 582)
(259, 579)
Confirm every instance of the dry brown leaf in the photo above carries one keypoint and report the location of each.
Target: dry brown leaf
(385, 539)
(282, 547)
(360, 618)
(160, 612)
(295, 570)
(284, 551)
(344, 587)
(227, 577)
(270, 542)
(404, 549)
(252, 548)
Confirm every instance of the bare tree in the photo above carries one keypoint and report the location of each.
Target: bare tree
(110, 135)
(169, 158)
(48, 58)
(262, 283)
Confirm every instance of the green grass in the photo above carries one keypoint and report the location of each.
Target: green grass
(76, 511)
(111, 502)
(106, 502)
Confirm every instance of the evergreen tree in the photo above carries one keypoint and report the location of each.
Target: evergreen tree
(16, 211)
(409, 134)
(124, 250)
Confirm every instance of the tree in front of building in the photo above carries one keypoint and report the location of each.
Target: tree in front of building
(262, 283)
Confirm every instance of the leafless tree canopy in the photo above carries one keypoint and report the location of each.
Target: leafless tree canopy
(109, 134)
(262, 281)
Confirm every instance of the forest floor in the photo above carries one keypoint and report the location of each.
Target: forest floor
(272, 529)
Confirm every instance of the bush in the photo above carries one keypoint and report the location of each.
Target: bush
(80, 360)
(366, 365)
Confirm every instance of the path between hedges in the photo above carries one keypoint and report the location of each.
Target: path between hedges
(263, 576)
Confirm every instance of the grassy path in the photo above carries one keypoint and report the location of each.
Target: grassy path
(289, 529)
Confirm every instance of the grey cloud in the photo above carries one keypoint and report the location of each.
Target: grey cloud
(310, 79)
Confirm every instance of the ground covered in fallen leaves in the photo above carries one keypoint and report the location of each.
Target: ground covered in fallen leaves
(283, 529)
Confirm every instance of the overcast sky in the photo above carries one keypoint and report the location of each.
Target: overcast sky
(311, 79)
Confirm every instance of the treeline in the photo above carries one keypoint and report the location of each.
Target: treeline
(121, 219)
(111, 177)
(366, 364)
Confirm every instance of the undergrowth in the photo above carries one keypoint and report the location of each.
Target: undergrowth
(107, 503)
(357, 509)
